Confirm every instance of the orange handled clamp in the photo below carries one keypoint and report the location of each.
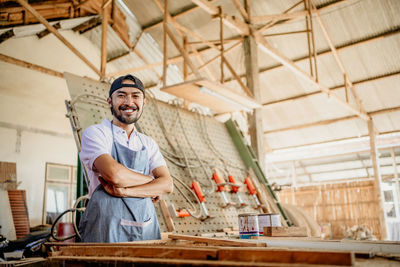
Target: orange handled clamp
(218, 180)
(220, 187)
(252, 190)
(235, 190)
(232, 180)
(250, 186)
(197, 189)
(182, 213)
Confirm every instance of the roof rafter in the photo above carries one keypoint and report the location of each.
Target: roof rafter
(51, 29)
(326, 122)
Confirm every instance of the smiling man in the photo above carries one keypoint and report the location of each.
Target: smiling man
(126, 171)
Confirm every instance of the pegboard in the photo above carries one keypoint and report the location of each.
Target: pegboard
(185, 138)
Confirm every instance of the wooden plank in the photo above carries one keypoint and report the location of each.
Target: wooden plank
(183, 52)
(217, 241)
(164, 252)
(285, 231)
(167, 216)
(31, 66)
(190, 91)
(287, 256)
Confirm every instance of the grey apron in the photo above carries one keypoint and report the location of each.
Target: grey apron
(110, 219)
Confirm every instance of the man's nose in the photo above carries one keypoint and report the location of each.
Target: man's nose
(128, 99)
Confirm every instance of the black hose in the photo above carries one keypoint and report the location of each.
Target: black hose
(55, 223)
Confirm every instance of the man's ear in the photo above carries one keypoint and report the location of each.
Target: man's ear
(144, 102)
(109, 101)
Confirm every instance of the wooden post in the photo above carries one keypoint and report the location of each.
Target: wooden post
(221, 36)
(164, 77)
(255, 120)
(185, 66)
(104, 27)
(377, 180)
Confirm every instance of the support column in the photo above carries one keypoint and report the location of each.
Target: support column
(377, 179)
(255, 121)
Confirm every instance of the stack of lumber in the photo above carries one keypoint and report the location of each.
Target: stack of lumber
(219, 252)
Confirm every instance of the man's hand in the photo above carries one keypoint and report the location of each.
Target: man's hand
(156, 199)
(112, 190)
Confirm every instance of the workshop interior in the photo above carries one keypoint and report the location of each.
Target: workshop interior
(279, 122)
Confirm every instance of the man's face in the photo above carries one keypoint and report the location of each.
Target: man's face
(127, 103)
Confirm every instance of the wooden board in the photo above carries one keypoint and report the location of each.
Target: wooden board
(165, 252)
(190, 91)
(199, 256)
(218, 241)
(285, 231)
(19, 212)
(287, 256)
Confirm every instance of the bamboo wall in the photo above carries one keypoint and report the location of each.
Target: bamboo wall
(337, 206)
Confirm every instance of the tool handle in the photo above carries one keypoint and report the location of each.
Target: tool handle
(234, 189)
(182, 213)
(218, 180)
(197, 189)
(250, 186)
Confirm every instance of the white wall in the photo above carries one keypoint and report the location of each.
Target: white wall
(34, 102)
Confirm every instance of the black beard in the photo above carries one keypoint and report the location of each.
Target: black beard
(125, 120)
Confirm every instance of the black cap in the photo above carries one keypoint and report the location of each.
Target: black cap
(118, 84)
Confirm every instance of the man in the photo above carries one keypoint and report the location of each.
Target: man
(126, 171)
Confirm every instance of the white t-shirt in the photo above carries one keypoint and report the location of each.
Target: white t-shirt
(98, 140)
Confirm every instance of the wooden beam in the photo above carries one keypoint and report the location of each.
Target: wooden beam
(241, 10)
(269, 50)
(272, 23)
(368, 39)
(254, 120)
(6, 35)
(167, 216)
(151, 251)
(337, 58)
(217, 241)
(287, 256)
(237, 78)
(165, 41)
(327, 122)
(183, 52)
(302, 96)
(175, 16)
(240, 26)
(276, 17)
(181, 31)
(87, 25)
(218, 56)
(45, 32)
(221, 37)
(104, 27)
(31, 66)
(377, 180)
(285, 231)
(332, 140)
(51, 29)
(218, 42)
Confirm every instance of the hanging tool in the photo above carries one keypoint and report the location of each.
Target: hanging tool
(178, 213)
(252, 190)
(197, 189)
(235, 190)
(220, 187)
